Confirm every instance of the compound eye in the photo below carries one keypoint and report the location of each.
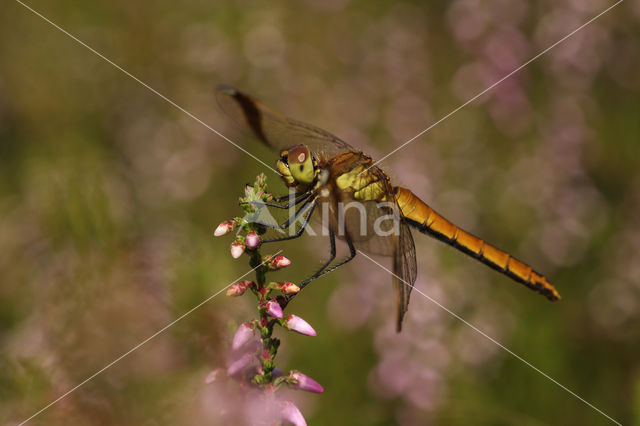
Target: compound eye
(301, 164)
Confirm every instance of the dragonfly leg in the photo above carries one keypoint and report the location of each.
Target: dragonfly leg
(288, 205)
(286, 225)
(332, 239)
(311, 205)
(324, 269)
(288, 196)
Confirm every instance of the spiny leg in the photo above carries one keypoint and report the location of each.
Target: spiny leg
(290, 203)
(324, 270)
(310, 205)
(313, 203)
(332, 239)
(288, 196)
(287, 223)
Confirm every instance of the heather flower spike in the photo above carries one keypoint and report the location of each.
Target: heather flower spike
(273, 308)
(244, 333)
(305, 383)
(253, 360)
(297, 324)
(292, 414)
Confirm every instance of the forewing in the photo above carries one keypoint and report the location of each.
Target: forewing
(405, 270)
(274, 129)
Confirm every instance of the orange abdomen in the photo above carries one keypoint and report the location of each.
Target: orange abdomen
(427, 221)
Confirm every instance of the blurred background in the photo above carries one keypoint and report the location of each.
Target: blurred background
(109, 197)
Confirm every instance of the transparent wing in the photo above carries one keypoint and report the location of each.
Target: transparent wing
(372, 223)
(380, 230)
(274, 129)
(405, 267)
(369, 225)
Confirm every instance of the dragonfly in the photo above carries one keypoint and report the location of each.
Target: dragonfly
(322, 170)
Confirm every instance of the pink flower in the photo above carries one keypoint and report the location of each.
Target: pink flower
(236, 250)
(238, 289)
(225, 227)
(297, 324)
(292, 414)
(244, 333)
(252, 240)
(305, 383)
(273, 308)
(240, 364)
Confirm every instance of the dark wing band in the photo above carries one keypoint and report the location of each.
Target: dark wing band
(274, 129)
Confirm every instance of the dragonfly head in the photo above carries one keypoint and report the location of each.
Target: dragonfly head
(297, 166)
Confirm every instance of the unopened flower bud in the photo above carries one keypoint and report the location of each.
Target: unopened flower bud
(239, 288)
(297, 324)
(252, 240)
(289, 288)
(292, 414)
(277, 262)
(305, 383)
(236, 250)
(273, 308)
(225, 227)
(281, 262)
(285, 287)
(244, 333)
